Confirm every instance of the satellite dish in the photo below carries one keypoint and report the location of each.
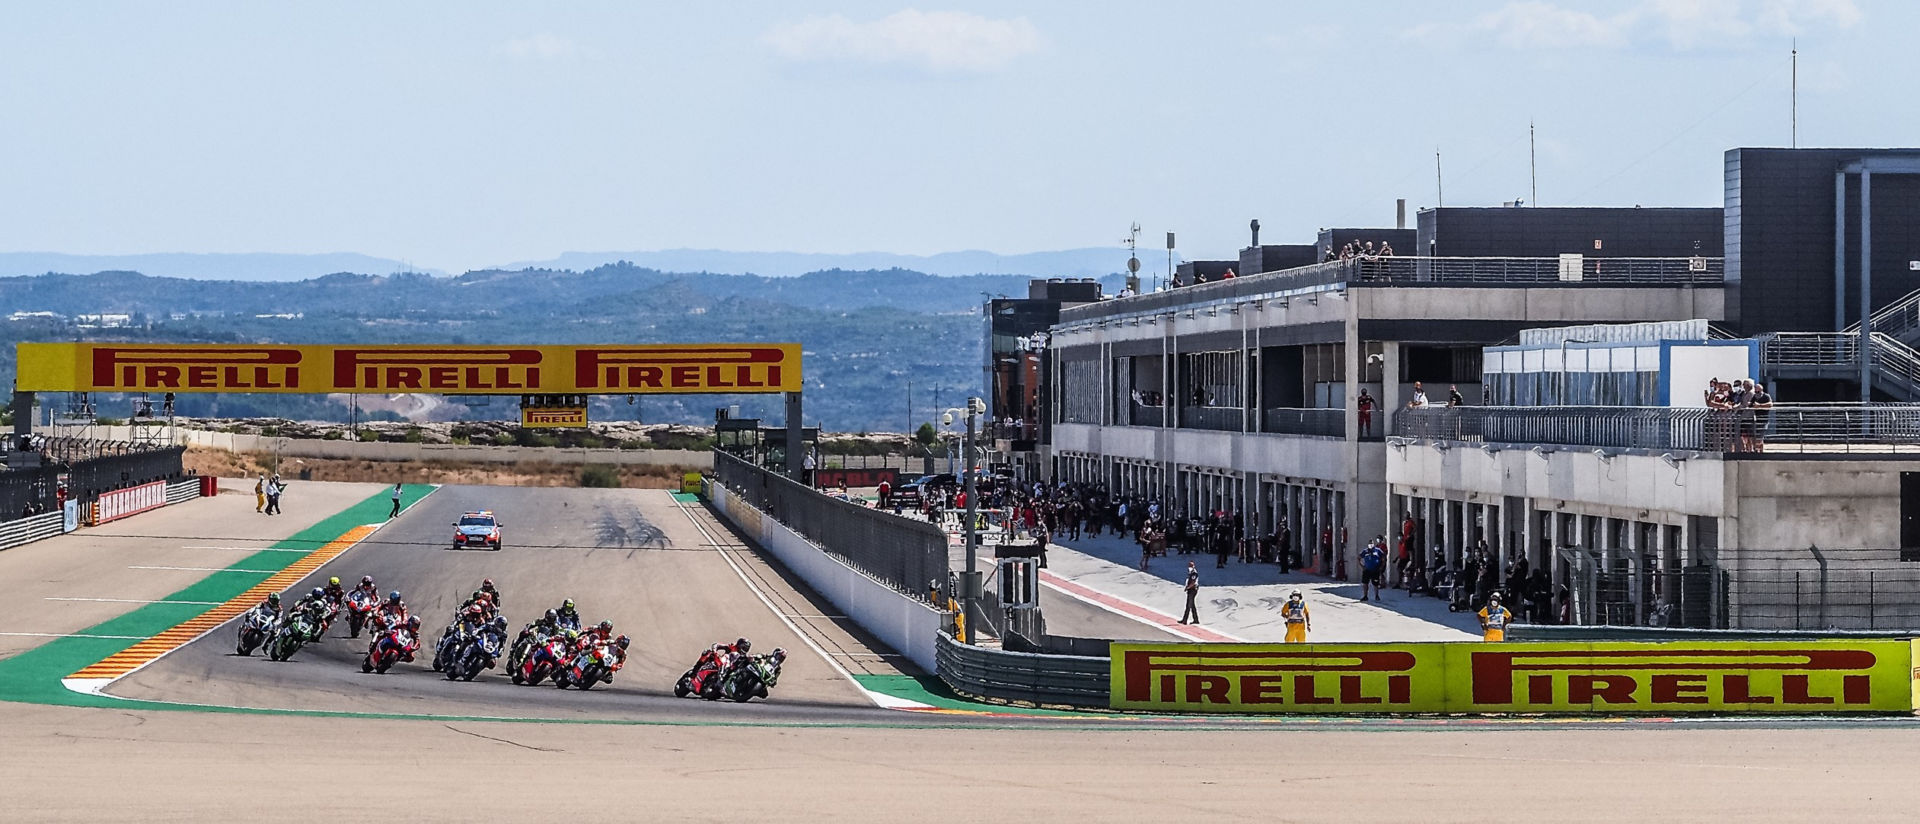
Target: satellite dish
(1133, 264)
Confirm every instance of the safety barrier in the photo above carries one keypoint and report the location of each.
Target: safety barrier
(27, 530)
(901, 621)
(187, 490)
(1577, 633)
(120, 503)
(1022, 677)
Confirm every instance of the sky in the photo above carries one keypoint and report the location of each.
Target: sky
(463, 135)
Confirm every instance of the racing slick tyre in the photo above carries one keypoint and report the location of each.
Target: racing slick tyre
(683, 687)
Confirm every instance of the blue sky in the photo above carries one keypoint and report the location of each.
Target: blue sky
(459, 135)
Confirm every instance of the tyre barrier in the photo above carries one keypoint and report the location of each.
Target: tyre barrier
(1024, 678)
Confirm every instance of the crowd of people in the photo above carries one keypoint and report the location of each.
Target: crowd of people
(1361, 251)
(1470, 584)
(1742, 409)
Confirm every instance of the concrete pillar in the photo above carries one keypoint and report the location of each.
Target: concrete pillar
(1636, 573)
(1391, 400)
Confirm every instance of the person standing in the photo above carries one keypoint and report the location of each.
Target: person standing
(274, 489)
(1364, 404)
(885, 491)
(1192, 613)
(1453, 396)
(395, 512)
(1373, 568)
(1419, 400)
(1299, 620)
(260, 494)
(1494, 619)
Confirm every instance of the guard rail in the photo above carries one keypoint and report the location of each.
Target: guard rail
(1001, 676)
(27, 530)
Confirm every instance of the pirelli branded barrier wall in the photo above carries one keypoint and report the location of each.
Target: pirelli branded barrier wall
(1789, 677)
(457, 370)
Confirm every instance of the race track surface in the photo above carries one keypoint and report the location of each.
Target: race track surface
(629, 556)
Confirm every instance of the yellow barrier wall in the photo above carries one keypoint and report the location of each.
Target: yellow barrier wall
(1790, 677)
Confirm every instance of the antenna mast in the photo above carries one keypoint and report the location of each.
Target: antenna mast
(1533, 169)
(1794, 104)
(1439, 187)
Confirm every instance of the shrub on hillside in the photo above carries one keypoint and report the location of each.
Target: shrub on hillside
(599, 476)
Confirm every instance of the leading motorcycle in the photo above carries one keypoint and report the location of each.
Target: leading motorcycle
(255, 628)
(752, 677)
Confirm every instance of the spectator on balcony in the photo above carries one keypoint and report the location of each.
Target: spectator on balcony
(1719, 428)
(1229, 275)
(1330, 256)
(1760, 414)
(1386, 249)
(1364, 405)
(1419, 400)
(1453, 396)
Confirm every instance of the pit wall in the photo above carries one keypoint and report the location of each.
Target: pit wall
(1743, 677)
(905, 624)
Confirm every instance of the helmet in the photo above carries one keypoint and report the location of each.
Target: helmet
(487, 585)
(273, 598)
(475, 611)
(318, 593)
(475, 596)
(413, 622)
(742, 645)
(334, 581)
(500, 622)
(393, 597)
(571, 634)
(567, 605)
(779, 656)
(366, 579)
(552, 616)
(605, 627)
(622, 641)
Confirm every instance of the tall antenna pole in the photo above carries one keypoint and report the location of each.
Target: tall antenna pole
(1533, 168)
(1439, 187)
(1794, 101)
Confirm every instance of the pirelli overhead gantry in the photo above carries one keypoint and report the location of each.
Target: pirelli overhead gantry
(527, 371)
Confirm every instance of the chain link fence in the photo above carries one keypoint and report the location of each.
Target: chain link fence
(909, 555)
(1757, 589)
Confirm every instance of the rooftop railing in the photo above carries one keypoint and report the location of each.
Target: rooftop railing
(1571, 271)
(1875, 429)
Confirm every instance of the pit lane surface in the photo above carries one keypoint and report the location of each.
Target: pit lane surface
(629, 556)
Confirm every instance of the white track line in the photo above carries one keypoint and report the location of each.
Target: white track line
(139, 601)
(878, 699)
(75, 635)
(207, 569)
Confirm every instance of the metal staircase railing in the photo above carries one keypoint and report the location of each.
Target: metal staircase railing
(1900, 319)
(1896, 367)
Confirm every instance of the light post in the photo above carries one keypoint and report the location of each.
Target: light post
(969, 580)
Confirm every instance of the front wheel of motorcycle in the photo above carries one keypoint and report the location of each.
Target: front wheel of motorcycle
(683, 687)
(366, 666)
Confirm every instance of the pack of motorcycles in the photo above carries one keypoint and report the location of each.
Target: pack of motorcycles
(722, 672)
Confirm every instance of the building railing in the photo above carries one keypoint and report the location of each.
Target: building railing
(1297, 421)
(1140, 414)
(906, 554)
(1212, 418)
(1423, 271)
(1784, 429)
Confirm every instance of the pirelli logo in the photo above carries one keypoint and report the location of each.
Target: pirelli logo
(1670, 675)
(477, 371)
(190, 368)
(690, 369)
(553, 417)
(1794, 677)
(455, 370)
(1297, 678)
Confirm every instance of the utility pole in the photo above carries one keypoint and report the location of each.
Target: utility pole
(1793, 106)
(1533, 169)
(1439, 186)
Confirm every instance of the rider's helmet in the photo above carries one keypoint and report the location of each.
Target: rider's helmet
(334, 581)
(571, 635)
(742, 645)
(567, 605)
(622, 641)
(366, 580)
(393, 597)
(500, 622)
(486, 585)
(475, 596)
(779, 656)
(605, 627)
(318, 593)
(475, 612)
(273, 599)
(551, 616)
(413, 622)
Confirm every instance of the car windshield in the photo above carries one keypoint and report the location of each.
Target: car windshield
(476, 520)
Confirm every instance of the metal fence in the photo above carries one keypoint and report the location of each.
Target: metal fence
(909, 555)
(1022, 677)
(90, 469)
(1786, 428)
(1292, 421)
(1215, 418)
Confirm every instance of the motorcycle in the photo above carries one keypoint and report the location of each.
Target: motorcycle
(450, 643)
(293, 633)
(751, 678)
(255, 628)
(386, 650)
(586, 668)
(543, 661)
(478, 653)
(523, 647)
(703, 678)
(360, 604)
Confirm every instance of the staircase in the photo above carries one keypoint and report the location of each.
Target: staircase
(1834, 355)
(1899, 320)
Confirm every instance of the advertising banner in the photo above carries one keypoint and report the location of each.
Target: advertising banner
(553, 417)
(444, 369)
(1793, 677)
(120, 503)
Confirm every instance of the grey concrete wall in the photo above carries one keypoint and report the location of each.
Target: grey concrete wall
(1622, 487)
(1832, 504)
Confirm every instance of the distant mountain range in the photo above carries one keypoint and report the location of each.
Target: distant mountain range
(281, 268)
(263, 266)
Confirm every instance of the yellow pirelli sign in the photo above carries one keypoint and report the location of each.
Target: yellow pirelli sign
(553, 417)
(448, 369)
(1791, 677)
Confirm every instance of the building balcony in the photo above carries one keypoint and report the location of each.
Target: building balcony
(1813, 429)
